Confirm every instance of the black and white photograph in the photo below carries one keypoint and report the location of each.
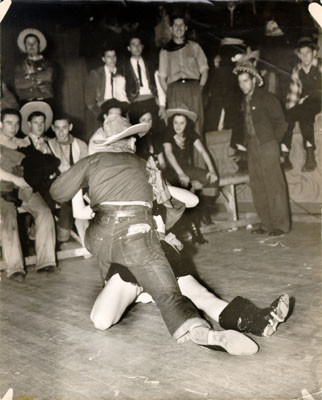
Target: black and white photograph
(160, 208)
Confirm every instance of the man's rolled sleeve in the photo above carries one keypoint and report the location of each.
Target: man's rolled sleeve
(68, 184)
(200, 58)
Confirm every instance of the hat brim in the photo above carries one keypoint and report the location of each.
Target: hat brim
(138, 129)
(181, 111)
(29, 108)
(242, 68)
(30, 31)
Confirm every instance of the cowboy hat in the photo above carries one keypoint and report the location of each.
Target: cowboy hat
(31, 107)
(116, 128)
(182, 110)
(231, 41)
(250, 54)
(249, 67)
(35, 32)
(306, 41)
(112, 103)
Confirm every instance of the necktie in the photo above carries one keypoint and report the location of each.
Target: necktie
(140, 74)
(112, 84)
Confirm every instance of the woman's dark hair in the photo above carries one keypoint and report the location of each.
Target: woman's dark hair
(189, 129)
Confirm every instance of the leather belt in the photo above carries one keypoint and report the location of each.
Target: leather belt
(186, 80)
(122, 213)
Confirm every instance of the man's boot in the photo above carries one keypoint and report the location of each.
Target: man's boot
(242, 315)
(286, 165)
(310, 163)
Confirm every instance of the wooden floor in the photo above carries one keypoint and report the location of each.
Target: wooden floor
(50, 350)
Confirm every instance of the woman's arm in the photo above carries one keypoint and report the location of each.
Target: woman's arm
(183, 178)
(212, 176)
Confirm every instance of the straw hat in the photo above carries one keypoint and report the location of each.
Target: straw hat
(182, 110)
(249, 67)
(29, 108)
(116, 128)
(35, 32)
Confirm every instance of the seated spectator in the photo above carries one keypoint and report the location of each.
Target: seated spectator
(179, 144)
(34, 77)
(15, 192)
(152, 142)
(40, 165)
(105, 83)
(304, 101)
(68, 150)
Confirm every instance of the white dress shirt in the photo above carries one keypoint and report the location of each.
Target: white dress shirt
(144, 90)
(118, 91)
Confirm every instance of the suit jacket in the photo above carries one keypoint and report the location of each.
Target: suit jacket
(132, 82)
(95, 89)
(267, 115)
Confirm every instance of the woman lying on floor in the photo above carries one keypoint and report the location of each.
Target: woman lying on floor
(121, 290)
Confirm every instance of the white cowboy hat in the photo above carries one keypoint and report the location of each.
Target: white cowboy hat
(29, 108)
(231, 41)
(35, 32)
(182, 110)
(116, 128)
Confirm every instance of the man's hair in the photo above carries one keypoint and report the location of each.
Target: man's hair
(109, 48)
(31, 35)
(35, 114)
(135, 36)
(10, 111)
(175, 16)
(62, 117)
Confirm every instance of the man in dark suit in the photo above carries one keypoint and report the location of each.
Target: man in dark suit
(139, 76)
(264, 126)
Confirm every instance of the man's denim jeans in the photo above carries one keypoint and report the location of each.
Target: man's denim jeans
(113, 239)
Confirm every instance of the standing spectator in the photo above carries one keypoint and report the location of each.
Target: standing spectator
(183, 71)
(34, 77)
(31, 202)
(162, 31)
(68, 150)
(139, 76)
(264, 125)
(304, 101)
(105, 83)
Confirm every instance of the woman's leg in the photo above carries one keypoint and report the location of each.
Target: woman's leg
(201, 297)
(113, 300)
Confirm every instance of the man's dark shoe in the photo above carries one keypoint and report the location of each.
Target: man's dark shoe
(50, 269)
(310, 162)
(18, 276)
(258, 231)
(286, 165)
(276, 232)
(243, 315)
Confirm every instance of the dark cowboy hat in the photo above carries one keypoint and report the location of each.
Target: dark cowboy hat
(250, 68)
(306, 41)
(113, 103)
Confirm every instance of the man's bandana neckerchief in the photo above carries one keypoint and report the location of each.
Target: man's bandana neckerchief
(172, 46)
